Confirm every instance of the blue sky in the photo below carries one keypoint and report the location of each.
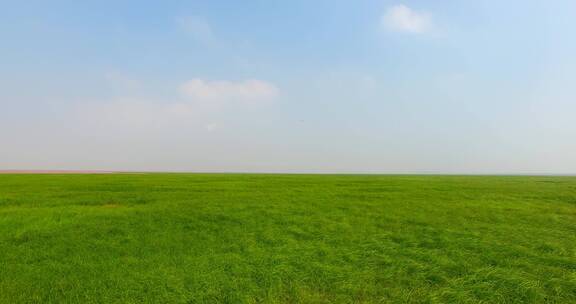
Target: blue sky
(289, 86)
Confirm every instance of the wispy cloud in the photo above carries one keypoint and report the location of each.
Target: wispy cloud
(252, 90)
(121, 81)
(197, 27)
(129, 111)
(400, 18)
(199, 102)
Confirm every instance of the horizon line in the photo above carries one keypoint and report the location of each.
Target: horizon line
(443, 173)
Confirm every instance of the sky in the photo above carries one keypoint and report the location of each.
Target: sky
(324, 86)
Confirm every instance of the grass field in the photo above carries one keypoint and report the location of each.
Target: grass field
(238, 238)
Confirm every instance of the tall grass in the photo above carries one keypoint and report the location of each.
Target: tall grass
(238, 238)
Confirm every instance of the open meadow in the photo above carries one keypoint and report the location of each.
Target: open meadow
(263, 238)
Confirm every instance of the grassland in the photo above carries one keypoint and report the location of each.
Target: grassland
(235, 238)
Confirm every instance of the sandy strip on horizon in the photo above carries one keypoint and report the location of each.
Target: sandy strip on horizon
(55, 172)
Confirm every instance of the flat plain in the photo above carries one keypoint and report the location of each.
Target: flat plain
(264, 238)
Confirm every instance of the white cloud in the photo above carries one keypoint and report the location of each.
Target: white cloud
(197, 27)
(400, 18)
(252, 90)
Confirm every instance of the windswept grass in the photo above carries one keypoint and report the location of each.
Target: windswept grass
(236, 238)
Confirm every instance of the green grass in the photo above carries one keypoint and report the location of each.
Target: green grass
(238, 238)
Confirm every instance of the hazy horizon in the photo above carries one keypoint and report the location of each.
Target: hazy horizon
(393, 87)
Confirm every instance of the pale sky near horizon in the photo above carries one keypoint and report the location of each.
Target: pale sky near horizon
(289, 86)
